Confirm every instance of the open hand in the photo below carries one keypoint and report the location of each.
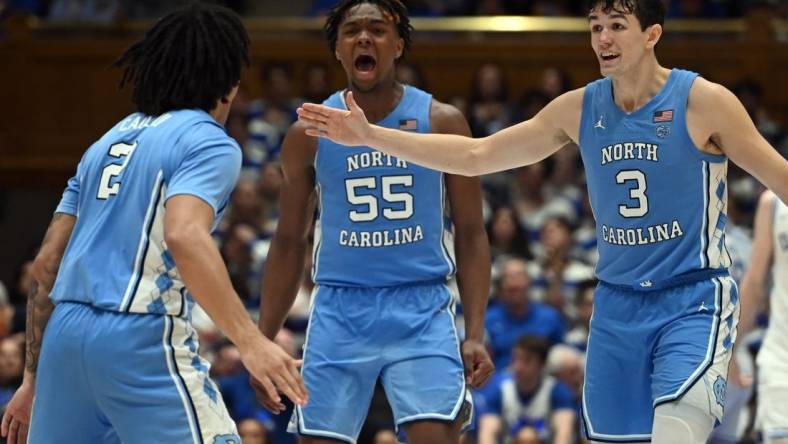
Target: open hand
(272, 371)
(346, 127)
(16, 420)
(477, 362)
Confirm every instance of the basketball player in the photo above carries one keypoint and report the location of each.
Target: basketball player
(118, 356)
(655, 143)
(770, 247)
(383, 253)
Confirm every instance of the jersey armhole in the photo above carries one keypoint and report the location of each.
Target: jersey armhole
(694, 149)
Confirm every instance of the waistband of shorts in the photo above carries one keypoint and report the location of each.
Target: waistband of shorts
(428, 283)
(675, 281)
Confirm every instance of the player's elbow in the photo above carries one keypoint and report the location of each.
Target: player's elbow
(183, 236)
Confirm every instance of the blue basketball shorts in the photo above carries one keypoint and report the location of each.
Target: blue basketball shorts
(403, 335)
(649, 348)
(111, 377)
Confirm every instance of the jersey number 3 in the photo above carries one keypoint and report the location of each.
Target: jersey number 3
(107, 187)
(401, 199)
(638, 192)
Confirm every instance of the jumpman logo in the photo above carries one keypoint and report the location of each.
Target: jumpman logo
(599, 123)
(703, 306)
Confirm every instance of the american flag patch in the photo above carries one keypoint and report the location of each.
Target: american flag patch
(663, 116)
(409, 124)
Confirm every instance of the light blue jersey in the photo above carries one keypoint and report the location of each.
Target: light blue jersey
(381, 214)
(117, 258)
(659, 202)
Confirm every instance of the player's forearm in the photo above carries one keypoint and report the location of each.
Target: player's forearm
(489, 428)
(562, 423)
(39, 310)
(473, 279)
(44, 271)
(280, 283)
(205, 275)
(444, 152)
(752, 297)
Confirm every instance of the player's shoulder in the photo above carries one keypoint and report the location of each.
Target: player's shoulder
(705, 94)
(447, 119)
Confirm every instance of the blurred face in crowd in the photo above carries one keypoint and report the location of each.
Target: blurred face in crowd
(556, 237)
(504, 226)
(527, 369)
(11, 360)
(570, 372)
(514, 285)
(252, 432)
(618, 41)
(270, 180)
(368, 45)
(490, 82)
(226, 362)
(278, 86)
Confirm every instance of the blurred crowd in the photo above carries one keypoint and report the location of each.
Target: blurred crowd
(107, 11)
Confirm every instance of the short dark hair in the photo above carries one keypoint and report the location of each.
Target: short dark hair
(191, 58)
(397, 10)
(648, 12)
(535, 345)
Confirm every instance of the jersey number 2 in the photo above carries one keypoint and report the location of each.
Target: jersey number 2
(113, 170)
(638, 192)
(371, 202)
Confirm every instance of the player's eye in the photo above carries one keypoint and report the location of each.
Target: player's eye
(618, 26)
(596, 28)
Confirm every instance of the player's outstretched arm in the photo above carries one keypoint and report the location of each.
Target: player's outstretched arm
(285, 263)
(472, 249)
(522, 144)
(187, 226)
(725, 119)
(16, 419)
(755, 280)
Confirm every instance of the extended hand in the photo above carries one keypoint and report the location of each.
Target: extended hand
(477, 362)
(271, 368)
(343, 127)
(16, 419)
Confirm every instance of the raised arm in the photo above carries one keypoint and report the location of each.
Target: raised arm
(723, 121)
(522, 144)
(39, 308)
(472, 249)
(285, 262)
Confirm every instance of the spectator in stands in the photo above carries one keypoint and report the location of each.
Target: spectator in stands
(316, 84)
(272, 115)
(584, 306)
(410, 74)
(554, 82)
(489, 107)
(254, 152)
(252, 431)
(527, 397)
(12, 361)
(566, 363)
(535, 201)
(6, 312)
(558, 273)
(507, 238)
(268, 186)
(514, 315)
(750, 92)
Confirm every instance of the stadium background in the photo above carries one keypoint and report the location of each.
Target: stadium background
(499, 61)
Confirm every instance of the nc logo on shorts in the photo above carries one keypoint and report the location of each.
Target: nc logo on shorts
(719, 390)
(226, 439)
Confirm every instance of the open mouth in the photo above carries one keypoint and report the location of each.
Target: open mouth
(365, 63)
(608, 56)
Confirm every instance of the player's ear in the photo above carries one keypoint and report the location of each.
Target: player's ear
(336, 54)
(400, 47)
(654, 32)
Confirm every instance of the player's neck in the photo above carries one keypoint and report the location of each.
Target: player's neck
(380, 101)
(632, 90)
